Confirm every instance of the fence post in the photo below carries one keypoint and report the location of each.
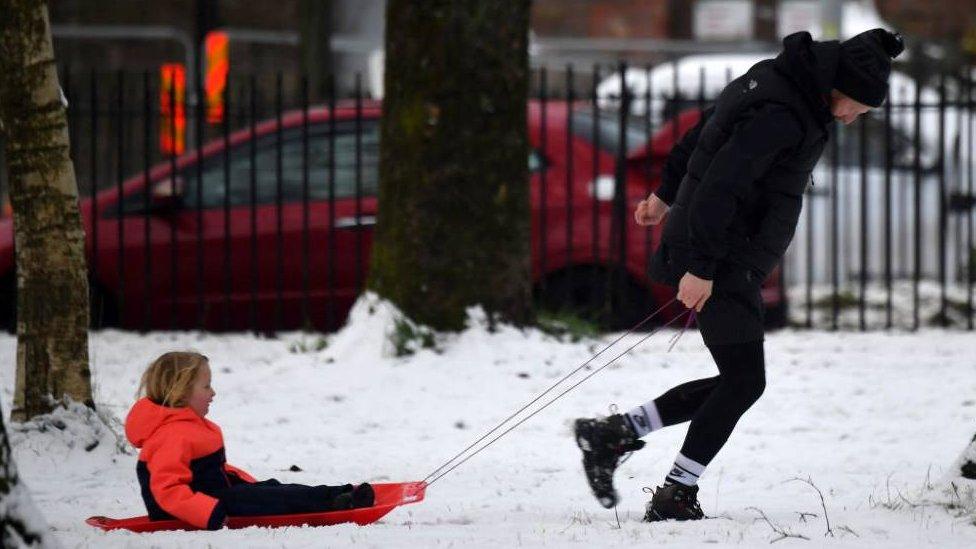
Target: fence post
(279, 183)
(943, 225)
(619, 231)
(359, 181)
(917, 168)
(252, 195)
(331, 319)
(863, 165)
(543, 174)
(306, 320)
(887, 216)
(834, 252)
(147, 139)
(225, 131)
(200, 120)
(570, 173)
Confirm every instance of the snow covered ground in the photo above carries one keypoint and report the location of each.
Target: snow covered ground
(869, 419)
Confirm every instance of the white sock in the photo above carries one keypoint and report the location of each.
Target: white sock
(644, 419)
(685, 471)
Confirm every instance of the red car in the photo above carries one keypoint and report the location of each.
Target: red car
(216, 262)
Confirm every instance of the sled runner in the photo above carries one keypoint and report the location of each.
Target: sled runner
(388, 496)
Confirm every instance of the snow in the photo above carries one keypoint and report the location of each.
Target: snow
(876, 421)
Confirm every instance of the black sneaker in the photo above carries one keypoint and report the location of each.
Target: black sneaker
(353, 498)
(674, 501)
(604, 442)
(363, 496)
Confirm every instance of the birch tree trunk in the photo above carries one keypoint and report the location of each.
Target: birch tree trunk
(52, 283)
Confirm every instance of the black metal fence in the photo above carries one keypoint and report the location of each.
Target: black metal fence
(268, 225)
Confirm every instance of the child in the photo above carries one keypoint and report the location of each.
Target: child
(182, 470)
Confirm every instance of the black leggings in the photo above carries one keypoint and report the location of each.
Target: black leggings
(714, 405)
(270, 497)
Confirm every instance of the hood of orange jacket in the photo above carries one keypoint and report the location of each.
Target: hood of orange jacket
(147, 418)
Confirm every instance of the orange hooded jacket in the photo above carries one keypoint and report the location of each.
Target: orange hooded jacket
(181, 464)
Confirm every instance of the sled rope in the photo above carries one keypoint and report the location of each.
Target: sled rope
(547, 391)
(553, 400)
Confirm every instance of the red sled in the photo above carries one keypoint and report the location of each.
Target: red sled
(388, 496)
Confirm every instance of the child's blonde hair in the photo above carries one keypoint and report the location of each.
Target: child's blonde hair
(169, 379)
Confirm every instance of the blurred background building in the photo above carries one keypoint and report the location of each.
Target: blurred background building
(266, 37)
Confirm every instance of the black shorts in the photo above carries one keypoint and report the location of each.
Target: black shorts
(734, 313)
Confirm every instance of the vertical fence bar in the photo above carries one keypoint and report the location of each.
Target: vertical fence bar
(225, 157)
(360, 275)
(95, 308)
(900, 118)
(147, 139)
(172, 188)
(225, 131)
(863, 165)
(306, 320)
(917, 168)
(970, 251)
(594, 187)
(954, 265)
(903, 199)
(331, 319)
(253, 196)
(279, 203)
(570, 173)
(676, 103)
(544, 174)
(943, 222)
(834, 255)
(619, 244)
(809, 254)
(887, 214)
(200, 122)
(119, 175)
(701, 88)
(649, 137)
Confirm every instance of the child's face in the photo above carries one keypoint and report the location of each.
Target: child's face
(201, 393)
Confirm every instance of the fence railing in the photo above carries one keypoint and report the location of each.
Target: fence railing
(263, 221)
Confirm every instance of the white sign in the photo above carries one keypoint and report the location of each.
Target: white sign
(798, 15)
(724, 20)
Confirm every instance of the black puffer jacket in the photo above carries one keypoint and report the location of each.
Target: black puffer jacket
(735, 182)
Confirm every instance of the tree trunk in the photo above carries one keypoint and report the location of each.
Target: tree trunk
(21, 525)
(453, 223)
(52, 284)
(315, 25)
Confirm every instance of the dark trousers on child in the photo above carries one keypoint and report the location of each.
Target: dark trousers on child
(270, 497)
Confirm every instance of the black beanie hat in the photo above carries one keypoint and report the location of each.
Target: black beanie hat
(865, 64)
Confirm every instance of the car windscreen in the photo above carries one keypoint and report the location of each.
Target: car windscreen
(607, 129)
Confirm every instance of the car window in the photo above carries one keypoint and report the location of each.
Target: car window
(214, 189)
(266, 177)
(608, 129)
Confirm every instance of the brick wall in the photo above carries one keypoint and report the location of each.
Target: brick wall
(601, 18)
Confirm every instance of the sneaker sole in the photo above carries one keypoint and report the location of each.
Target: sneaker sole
(580, 428)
